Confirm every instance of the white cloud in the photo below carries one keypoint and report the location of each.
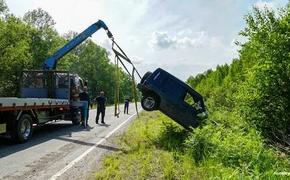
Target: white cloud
(264, 4)
(107, 44)
(137, 60)
(161, 40)
(183, 39)
(186, 41)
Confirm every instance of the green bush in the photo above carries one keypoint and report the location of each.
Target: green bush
(264, 98)
(235, 147)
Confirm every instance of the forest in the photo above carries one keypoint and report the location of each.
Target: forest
(256, 85)
(25, 43)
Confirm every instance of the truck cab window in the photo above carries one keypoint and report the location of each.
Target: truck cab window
(62, 80)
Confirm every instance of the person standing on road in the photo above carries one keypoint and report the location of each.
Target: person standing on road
(126, 106)
(101, 107)
(84, 96)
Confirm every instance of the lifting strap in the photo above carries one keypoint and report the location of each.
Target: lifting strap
(118, 56)
(117, 88)
(124, 56)
(134, 91)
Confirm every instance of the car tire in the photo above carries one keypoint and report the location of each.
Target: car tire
(150, 102)
(23, 129)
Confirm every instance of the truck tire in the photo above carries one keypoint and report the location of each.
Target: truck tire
(76, 121)
(150, 102)
(23, 129)
(76, 118)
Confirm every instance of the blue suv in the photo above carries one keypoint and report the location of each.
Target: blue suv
(162, 91)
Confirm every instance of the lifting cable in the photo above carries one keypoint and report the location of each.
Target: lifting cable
(117, 88)
(134, 91)
(118, 56)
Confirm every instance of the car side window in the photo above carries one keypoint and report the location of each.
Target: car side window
(188, 99)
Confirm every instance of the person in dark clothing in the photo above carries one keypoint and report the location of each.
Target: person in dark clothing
(126, 106)
(101, 107)
(84, 96)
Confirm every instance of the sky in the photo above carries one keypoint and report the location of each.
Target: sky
(184, 37)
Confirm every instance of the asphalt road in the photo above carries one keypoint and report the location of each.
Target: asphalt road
(60, 150)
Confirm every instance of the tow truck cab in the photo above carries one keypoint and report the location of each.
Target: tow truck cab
(162, 91)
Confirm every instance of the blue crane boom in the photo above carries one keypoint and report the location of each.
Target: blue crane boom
(50, 63)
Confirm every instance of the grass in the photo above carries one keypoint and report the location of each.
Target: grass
(155, 147)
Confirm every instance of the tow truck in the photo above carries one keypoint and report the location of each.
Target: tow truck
(45, 94)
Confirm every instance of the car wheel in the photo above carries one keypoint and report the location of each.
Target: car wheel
(149, 102)
(24, 128)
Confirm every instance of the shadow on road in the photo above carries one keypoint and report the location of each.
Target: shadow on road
(76, 141)
(106, 125)
(109, 148)
(40, 135)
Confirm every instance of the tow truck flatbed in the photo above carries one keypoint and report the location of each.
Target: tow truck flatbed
(19, 115)
(13, 103)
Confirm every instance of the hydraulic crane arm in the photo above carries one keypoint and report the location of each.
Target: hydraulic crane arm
(50, 63)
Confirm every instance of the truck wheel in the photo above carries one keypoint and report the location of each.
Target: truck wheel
(24, 128)
(149, 102)
(76, 117)
(76, 121)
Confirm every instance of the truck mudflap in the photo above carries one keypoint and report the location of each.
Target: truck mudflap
(2, 128)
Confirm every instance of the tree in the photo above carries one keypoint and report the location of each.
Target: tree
(265, 95)
(15, 39)
(257, 85)
(3, 7)
(39, 18)
(45, 40)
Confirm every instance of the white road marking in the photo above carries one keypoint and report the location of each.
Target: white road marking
(72, 163)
